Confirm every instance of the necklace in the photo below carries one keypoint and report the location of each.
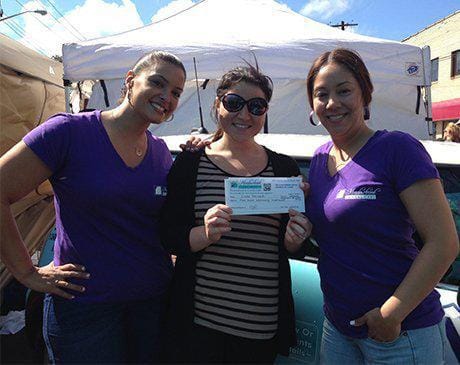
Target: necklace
(138, 150)
(339, 158)
(341, 153)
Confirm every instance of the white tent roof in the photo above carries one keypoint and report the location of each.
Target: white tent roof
(219, 32)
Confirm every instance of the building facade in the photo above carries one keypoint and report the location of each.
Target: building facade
(443, 37)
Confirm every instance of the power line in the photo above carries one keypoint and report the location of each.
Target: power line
(63, 17)
(46, 26)
(35, 47)
(58, 21)
(28, 38)
(342, 25)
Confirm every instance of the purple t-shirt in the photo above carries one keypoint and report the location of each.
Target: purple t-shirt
(364, 230)
(106, 212)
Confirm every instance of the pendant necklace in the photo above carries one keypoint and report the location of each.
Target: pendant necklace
(138, 151)
(343, 161)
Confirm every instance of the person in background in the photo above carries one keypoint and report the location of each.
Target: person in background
(452, 132)
(369, 191)
(231, 299)
(108, 282)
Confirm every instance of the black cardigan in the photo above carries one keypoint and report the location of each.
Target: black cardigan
(176, 221)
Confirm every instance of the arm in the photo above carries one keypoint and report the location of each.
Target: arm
(438, 233)
(177, 216)
(179, 233)
(21, 171)
(216, 223)
(298, 228)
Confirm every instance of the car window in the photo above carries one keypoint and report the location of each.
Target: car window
(450, 177)
(304, 166)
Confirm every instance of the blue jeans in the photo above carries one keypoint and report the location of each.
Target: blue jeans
(420, 346)
(102, 333)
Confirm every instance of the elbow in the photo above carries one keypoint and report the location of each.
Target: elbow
(455, 249)
(452, 249)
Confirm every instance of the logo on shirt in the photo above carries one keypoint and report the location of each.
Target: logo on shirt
(363, 193)
(161, 191)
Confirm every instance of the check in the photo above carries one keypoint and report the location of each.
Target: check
(264, 195)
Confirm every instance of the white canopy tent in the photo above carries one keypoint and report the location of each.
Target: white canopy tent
(219, 33)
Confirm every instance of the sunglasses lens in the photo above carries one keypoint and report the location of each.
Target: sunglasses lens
(257, 106)
(233, 103)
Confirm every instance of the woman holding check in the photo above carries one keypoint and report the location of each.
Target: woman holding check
(231, 293)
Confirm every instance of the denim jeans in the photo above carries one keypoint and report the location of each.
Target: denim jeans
(102, 333)
(420, 346)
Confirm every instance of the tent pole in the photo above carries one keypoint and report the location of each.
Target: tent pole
(426, 58)
(67, 91)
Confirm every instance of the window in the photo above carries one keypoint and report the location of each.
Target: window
(450, 177)
(434, 69)
(455, 69)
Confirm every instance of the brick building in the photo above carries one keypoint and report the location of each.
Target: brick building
(443, 37)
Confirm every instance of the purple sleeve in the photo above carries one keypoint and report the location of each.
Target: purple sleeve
(410, 161)
(167, 158)
(50, 141)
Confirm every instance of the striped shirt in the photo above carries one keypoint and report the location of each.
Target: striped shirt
(236, 290)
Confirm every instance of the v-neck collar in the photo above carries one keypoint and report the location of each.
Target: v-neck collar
(114, 151)
(352, 161)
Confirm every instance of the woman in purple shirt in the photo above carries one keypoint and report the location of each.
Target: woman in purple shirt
(370, 190)
(109, 178)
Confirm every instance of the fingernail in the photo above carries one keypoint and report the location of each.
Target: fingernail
(83, 289)
(72, 297)
(86, 275)
(352, 323)
(83, 268)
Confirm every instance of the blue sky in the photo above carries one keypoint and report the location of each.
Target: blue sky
(389, 19)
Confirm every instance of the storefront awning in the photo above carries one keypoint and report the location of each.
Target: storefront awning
(446, 110)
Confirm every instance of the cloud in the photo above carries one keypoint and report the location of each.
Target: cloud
(325, 9)
(172, 8)
(85, 18)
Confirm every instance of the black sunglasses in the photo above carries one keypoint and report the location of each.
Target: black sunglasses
(234, 103)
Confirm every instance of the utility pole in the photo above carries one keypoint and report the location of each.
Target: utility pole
(342, 25)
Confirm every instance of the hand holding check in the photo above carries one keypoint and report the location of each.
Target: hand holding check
(217, 222)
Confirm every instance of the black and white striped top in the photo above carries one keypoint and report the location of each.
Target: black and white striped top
(236, 289)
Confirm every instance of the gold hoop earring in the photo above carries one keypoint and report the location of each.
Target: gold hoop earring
(169, 120)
